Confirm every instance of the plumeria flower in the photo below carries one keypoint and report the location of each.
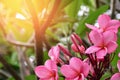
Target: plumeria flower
(76, 70)
(47, 71)
(116, 76)
(77, 43)
(78, 48)
(54, 53)
(102, 43)
(105, 24)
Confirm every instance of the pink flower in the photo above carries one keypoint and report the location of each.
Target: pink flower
(102, 43)
(48, 71)
(105, 24)
(77, 44)
(116, 76)
(64, 50)
(78, 48)
(76, 70)
(54, 53)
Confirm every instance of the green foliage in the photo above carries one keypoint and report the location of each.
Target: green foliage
(91, 18)
(60, 28)
(115, 60)
(73, 8)
(29, 77)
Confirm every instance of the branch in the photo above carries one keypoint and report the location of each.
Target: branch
(18, 43)
(40, 30)
(97, 3)
(50, 16)
(113, 8)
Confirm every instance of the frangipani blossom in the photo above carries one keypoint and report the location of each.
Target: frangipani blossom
(54, 53)
(116, 76)
(78, 48)
(76, 70)
(48, 71)
(105, 24)
(102, 43)
(77, 43)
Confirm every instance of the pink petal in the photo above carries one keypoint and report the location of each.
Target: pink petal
(115, 23)
(108, 36)
(119, 55)
(111, 46)
(85, 69)
(76, 64)
(103, 20)
(54, 53)
(116, 76)
(91, 27)
(101, 53)
(112, 29)
(118, 65)
(51, 65)
(42, 72)
(74, 48)
(92, 49)
(96, 37)
(80, 77)
(68, 72)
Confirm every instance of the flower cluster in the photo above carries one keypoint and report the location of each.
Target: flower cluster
(83, 61)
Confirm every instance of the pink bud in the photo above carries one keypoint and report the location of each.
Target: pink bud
(64, 50)
(78, 48)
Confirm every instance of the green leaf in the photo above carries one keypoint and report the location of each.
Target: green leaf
(81, 30)
(61, 78)
(116, 58)
(30, 77)
(64, 3)
(11, 78)
(46, 57)
(73, 8)
(105, 76)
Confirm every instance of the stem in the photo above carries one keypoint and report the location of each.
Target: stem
(23, 70)
(40, 30)
(113, 8)
(9, 68)
(38, 37)
(97, 3)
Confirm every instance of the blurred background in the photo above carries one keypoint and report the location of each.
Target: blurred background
(21, 21)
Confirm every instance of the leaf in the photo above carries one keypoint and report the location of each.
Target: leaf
(73, 8)
(81, 30)
(46, 57)
(64, 3)
(30, 77)
(105, 76)
(116, 58)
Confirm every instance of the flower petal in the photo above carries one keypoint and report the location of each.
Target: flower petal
(115, 23)
(118, 65)
(108, 36)
(54, 53)
(51, 65)
(76, 64)
(96, 37)
(103, 20)
(85, 69)
(92, 49)
(111, 46)
(68, 72)
(91, 27)
(101, 53)
(42, 72)
(116, 76)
